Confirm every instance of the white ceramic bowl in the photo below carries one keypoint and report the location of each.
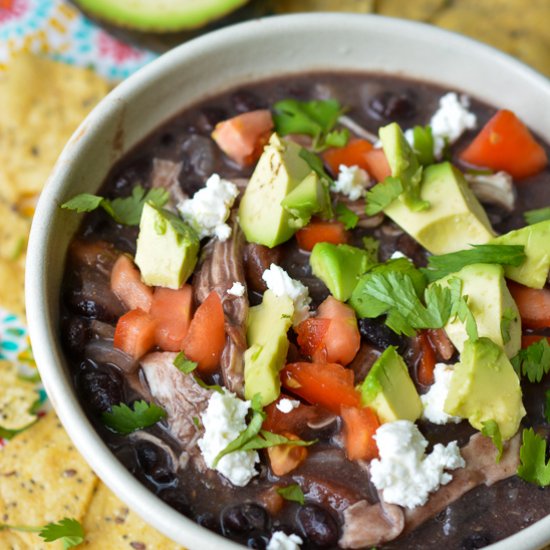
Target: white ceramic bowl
(207, 66)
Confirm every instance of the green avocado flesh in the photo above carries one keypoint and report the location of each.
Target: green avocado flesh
(159, 15)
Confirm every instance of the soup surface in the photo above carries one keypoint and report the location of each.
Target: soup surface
(168, 456)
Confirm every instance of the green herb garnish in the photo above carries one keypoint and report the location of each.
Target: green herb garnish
(346, 216)
(68, 530)
(293, 493)
(184, 364)
(538, 215)
(315, 163)
(125, 420)
(533, 466)
(372, 246)
(533, 361)
(508, 317)
(203, 384)
(126, 210)
(382, 195)
(490, 429)
(423, 144)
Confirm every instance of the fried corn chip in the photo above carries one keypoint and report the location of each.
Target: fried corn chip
(421, 10)
(293, 6)
(43, 102)
(12, 287)
(14, 232)
(17, 398)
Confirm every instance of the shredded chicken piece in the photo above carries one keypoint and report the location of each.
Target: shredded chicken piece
(165, 174)
(358, 130)
(494, 189)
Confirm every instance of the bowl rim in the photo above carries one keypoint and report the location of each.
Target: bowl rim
(63, 398)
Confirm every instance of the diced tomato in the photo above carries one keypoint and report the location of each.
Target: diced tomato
(172, 310)
(360, 424)
(311, 334)
(126, 283)
(328, 384)
(533, 305)
(352, 154)
(505, 143)
(205, 338)
(135, 333)
(377, 164)
(243, 137)
(426, 363)
(285, 458)
(528, 339)
(342, 339)
(318, 231)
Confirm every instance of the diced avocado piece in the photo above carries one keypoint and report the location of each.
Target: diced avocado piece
(278, 172)
(368, 306)
(167, 248)
(455, 219)
(165, 16)
(491, 304)
(536, 240)
(311, 196)
(339, 267)
(267, 328)
(484, 386)
(389, 390)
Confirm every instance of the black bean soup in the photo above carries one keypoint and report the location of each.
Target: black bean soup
(105, 376)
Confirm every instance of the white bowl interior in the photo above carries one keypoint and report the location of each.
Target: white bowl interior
(206, 66)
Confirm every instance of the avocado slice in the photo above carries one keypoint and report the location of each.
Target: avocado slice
(535, 238)
(279, 171)
(484, 386)
(167, 248)
(339, 267)
(267, 327)
(389, 389)
(160, 15)
(455, 219)
(490, 302)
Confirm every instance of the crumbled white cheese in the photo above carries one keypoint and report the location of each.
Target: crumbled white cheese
(209, 208)
(223, 421)
(281, 541)
(237, 289)
(409, 136)
(281, 284)
(397, 255)
(286, 405)
(451, 120)
(434, 400)
(352, 181)
(404, 472)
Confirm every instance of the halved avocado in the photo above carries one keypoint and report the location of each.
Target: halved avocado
(159, 15)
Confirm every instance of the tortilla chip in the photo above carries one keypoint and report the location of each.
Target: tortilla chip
(110, 524)
(12, 286)
(43, 102)
(17, 398)
(421, 10)
(43, 479)
(14, 232)
(290, 6)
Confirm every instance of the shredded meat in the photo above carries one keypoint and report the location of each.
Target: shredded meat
(221, 266)
(165, 175)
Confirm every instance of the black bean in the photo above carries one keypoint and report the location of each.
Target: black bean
(77, 333)
(176, 497)
(209, 117)
(209, 521)
(101, 388)
(259, 542)
(317, 525)
(390, 106)
(378, 334)
(167, 139)
(244, 518)
(244, 101)
(154, 462)
(199, 155)
(478, 540)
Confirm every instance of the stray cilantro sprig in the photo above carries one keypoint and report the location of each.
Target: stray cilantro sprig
(532, 454)
(508, 317)
(445, 264)
(382, 195)
(538, 215)
(124, 210)
(125, 420)
(316, 164)
(372, 246)
(315, 118)
(293, 493)
(68, 530)
(185, 365)
(461, 309)
(533, 361)
(490, 429)
(423, 144)
(346, 216)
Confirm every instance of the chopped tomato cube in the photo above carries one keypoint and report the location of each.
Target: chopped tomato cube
(352, 154)
(126, 283)
(135, 333)
(318, 231)
(360, 424)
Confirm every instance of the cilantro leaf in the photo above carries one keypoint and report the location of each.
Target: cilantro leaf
(293, 493)
(465, 314)
(124, 210)
(533, 361)
(185, 365)
(315, 163)
(371, 245)
(313, 118)
(203, 384)
(68, 530)
(538, 215)
(423, 144)
(382, 195)
(490, 429)
(348, 217)
(532, 453)
(508, 316)
(125, 420)
(503, 254)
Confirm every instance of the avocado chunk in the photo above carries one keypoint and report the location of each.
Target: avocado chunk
(491, 304)
(339, 267)
(311, 196)
(279, 171)
(455, 218)
(536, 241)
(165, 16)
(389, 390)
(167, 248)
(267, 327)
(484, 386)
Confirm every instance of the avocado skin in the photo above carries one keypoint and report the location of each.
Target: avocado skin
(484, 386)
